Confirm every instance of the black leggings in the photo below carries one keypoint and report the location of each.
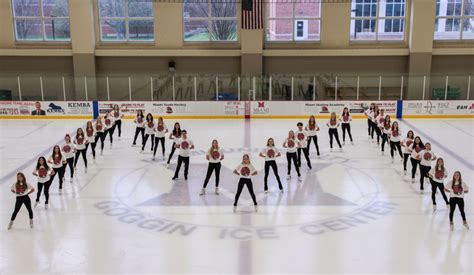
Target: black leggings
(423, 173)
(437, 185)
(315, 140)
(405, 160)
(101, 136)
(70, 163)
(60, 172)
(46, 186)
(306, 155)
(118, 124)
(292, 157)
(146, 139)
(384, 139)
(452, 203)
(138, 130)
(377, 130)
(20, 200)
(346, 126)
(334, 134)
(414, 164)
(93, 145)
(84, 157)
(373, 128)
(157, 141)
(110, 131)
(273, 165)
(213, 166)
(395, 145)
(242, 182)
(186, 166)
(369, 126)
(172, 152)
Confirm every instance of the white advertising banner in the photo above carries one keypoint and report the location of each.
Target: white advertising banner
(438, 108)
(46, 108)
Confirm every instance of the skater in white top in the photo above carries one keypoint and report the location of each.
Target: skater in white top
(345, 120)
(437, 176)
(395, 134)
(312, 129)
(90, 138)
(456, 188)
(302, 138)
(160, 133)
(118, 115)
(416, 147)
(99, 133)
(407, 142)
(68, 150)
(109, 126)
(333, 124)
(43, 172)
(245, 171)
(214, 156)
(80, 145)
(149, 131)
(369, 113)
(385, 129)
(426, 157)
(291, 146)
(22, 190)
(140, 128)
(185, 146)
(57, 162)
(174, 136)
(270, 153)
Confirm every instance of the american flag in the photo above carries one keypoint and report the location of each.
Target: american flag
(252, 14)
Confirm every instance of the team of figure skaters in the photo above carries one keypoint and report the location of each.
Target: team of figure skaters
(298, 142)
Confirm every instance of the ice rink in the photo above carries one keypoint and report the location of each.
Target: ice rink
(354, 212)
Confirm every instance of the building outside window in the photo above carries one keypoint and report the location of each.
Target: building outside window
(454, 20)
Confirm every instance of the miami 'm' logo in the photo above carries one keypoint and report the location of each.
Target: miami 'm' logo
(261, 104)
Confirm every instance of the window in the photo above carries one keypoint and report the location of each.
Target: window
(454, 20)
(126, 20)
(41, 20)
(210, 21)
(378, 20)
(293, 20)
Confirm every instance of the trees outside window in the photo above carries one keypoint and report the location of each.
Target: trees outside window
(454, 20)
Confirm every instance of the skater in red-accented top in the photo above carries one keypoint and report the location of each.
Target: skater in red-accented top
(99, 133)
(369, 113)
(395, 135)
(214, 156)
(270, 153)
(312, 129)
(57, 162)
(22, 190)
(91, 138)
(174, 135)
(118, 115)
(385, 129)
(80, 145)
(68, 150)
(160, 133)
(109, 120)
(43, 172)
(291, 147)
(149, 131)
(245, 171)
(333, 124)
(302, 137)
(416, 148)
(140, 128)
(456, 188)
(426, 157)
(345, 120)
(437, 175)
(407, 142)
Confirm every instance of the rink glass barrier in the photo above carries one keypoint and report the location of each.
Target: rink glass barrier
(236, 109)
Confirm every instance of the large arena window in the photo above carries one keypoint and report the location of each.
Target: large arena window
(126, 20)
(210, 21)
(378, 20)
(454, 20)
(41, 20)
(293, 21)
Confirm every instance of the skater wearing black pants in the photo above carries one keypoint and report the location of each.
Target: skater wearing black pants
(118, 115)
(290, 145)
(149, 131)
(333, 124)
(375, 114)
(246, 171)
(22, 190)
(68, 152)
(407, 149)
(395, 134)
(456, 188)
(302, 138)
(270, 153)
(185, 146)
(312, 129)
(416, 148)
(80, 145)
(426, 157)
(99, 134)
(160, 133)
(140, 129)
(385, 129)
(379, 121)
(90, 138)
(174, 135)
(214, 155)
(437, 175)
(57, 162)
(109, 127)
(43, 172)
(369, 113)
(345, 120)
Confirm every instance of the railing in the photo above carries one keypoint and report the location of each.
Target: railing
(234, 87)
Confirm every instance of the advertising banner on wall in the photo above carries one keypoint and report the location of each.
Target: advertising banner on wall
(46, 108)
(427, 108)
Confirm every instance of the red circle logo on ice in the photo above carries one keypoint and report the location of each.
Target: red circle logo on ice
(457, 189)
(98, 127)
(427, 156)
(42, 172)
(107, 122)
(271, 153)
(160, 128)
(245, 171)
(67, 148)
(20, 189)
(57, 159)
(312, 127)
(300, 136)
(439, 174)
(291, 143)
(139, 119)
(184, 145)
(116, 114)
(215, 154)
(169, 110)
(395, 134)
(417, 148)
(89, 132)
(409, 142)
(80, 140)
